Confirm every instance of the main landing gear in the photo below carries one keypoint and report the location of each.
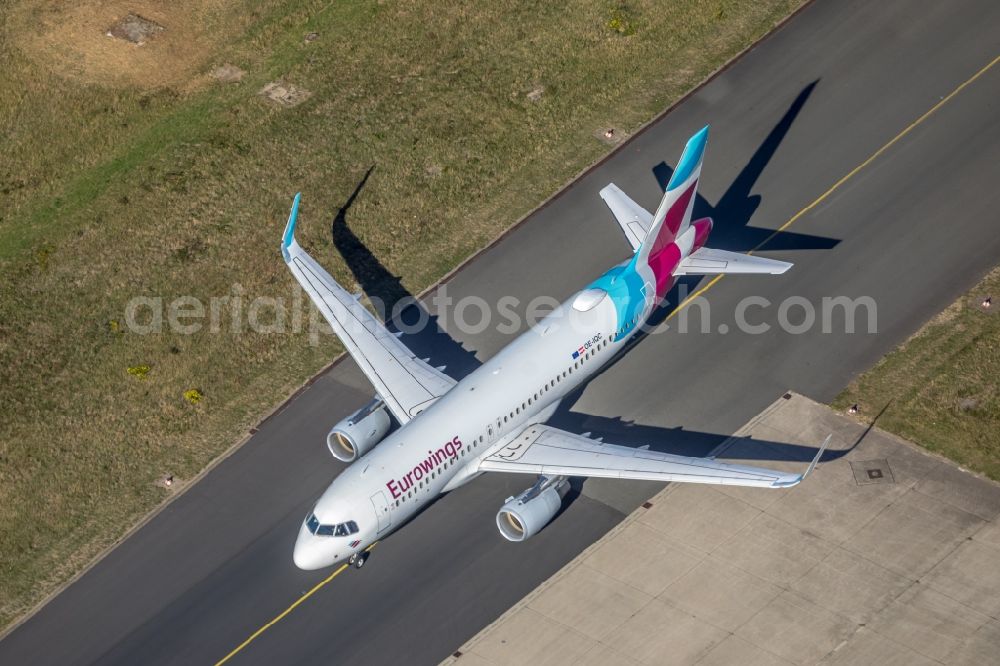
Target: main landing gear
(358, 559)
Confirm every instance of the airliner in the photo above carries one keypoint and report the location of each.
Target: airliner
(494, 419)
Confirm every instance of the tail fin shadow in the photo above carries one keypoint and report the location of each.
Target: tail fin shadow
(735, 208)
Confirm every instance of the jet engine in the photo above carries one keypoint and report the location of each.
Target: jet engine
(358, 433)
(523, 516)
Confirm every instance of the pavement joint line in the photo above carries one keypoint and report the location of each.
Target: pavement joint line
(525, 602)
(850, 174)
(577, 561)
(941, 457)
(912, 581)
(660, 497)
(779, 405)
(735, 437)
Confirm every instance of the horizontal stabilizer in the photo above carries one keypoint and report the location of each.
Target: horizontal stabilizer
(633, 218)
(706, 261)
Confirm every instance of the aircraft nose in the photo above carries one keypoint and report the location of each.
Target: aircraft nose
(307, 554)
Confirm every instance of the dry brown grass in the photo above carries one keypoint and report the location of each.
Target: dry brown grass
(70, 39)
(122, 174)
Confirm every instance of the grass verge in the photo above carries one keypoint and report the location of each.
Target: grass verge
(941, 388)
(127, 171)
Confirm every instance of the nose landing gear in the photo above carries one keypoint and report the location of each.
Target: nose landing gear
(358, 559)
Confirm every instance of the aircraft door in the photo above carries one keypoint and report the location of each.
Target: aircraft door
(381, 507)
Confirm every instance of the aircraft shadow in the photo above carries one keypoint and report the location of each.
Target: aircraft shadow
(399, 307)
(737, 205)
(732, 214)
(731, 231)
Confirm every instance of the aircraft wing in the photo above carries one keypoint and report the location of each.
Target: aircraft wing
(633, 218)
(706, 261)
(545, 450)
(405, 383)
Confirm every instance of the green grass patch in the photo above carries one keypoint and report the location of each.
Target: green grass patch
(942, 386)
(163, 183)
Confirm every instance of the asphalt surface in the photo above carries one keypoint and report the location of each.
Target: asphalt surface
(912, 230)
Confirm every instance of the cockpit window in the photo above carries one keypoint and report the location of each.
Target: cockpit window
(340, 529)
(312, 523)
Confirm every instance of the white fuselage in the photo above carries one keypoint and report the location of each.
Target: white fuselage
(441, 448)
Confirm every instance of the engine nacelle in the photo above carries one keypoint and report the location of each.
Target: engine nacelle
(358, 433)
(525, 515)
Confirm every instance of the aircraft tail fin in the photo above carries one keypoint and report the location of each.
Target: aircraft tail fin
(673, 216)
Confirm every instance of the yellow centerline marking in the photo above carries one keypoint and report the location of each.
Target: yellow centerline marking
(687, 300)
(280, 616)
(844, 179)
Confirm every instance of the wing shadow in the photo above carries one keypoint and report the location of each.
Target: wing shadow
(400, 310)
(684, 442)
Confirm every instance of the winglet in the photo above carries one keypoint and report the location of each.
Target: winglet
(798, 479)
(289, 237)
(819, 454)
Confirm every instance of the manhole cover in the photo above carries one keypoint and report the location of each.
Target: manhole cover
(136, 29)
(867, 472)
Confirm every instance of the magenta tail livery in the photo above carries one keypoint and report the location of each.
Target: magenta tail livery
(494, 419)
